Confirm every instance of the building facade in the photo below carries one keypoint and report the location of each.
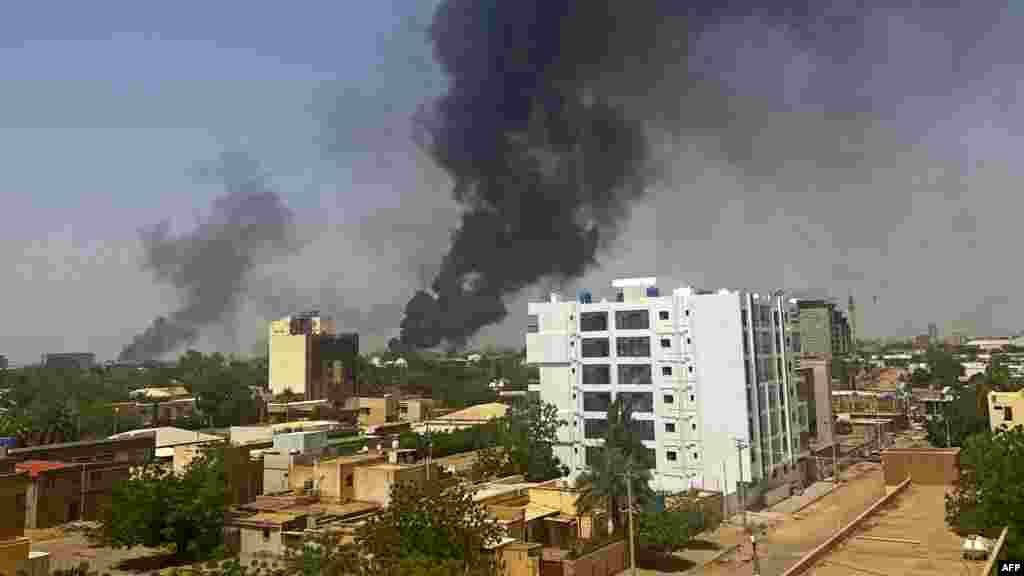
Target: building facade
(1005, 410)
(700, 369)
(821, 329)
(307, 358)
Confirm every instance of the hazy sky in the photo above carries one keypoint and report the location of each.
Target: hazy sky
(896, 177)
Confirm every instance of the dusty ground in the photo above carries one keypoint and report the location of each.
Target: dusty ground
(789, 537)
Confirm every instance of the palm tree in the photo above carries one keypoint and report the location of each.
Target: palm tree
(604, 484)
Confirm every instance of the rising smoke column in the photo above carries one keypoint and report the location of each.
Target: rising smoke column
(247, 226)
(544, 133)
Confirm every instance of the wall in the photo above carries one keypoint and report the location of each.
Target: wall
(373, 483)
(251, 542)
(818, 376)
(721, 386)
(13, 502)
(1014, 401)
(134, 450)
(816, 330)
(333, 475)
(927, 466)
(604, 562)
(563, 500)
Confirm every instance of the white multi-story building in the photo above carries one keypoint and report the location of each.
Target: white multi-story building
(701, 370)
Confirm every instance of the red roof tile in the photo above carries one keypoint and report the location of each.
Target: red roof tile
(35, 467)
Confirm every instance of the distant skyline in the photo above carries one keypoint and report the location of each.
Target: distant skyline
(907, 191)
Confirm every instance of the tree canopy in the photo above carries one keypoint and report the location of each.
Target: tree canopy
(966, 415)
(989, 494)
(155, 508)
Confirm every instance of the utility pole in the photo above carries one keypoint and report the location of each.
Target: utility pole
(430, 450)
(741, 445)
(629, 510)
(757, 561)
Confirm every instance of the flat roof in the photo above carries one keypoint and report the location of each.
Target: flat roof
(907, 536)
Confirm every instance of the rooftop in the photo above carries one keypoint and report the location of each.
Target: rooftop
(37, 467)
(169, 436)
(479, 412)
(907, 536)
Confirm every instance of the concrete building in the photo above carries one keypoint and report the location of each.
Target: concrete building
(462, 419)
(374, 411)
(814, 383)
(823, 329)
(77, 360)
(307, 358)
(1005, 409)
(701, 370)
(415, 409)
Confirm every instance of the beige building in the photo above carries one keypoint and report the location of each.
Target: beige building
(373, 483)
(814, 384)
(307, 358)
(333, 480)
(467, 418)
(1005, 409)
(374, 411)
(415, 409)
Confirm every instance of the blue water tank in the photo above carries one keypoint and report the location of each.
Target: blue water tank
(659, 502)
(9, 442)
(652, 291)
(585, 297)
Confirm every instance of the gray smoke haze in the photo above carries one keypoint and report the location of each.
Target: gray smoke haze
(209, 267)
(821, 129)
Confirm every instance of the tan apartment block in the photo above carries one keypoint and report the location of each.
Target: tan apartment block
(373, 483)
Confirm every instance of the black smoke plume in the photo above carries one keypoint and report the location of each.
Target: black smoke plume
(544, 131)
(248, 225)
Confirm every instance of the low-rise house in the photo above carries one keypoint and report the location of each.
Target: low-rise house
(332, 479)
(1005, 409)
(415, 409)
(374, 411)
(168, 438)
(158, 404)
(61, 492)
(134, 449)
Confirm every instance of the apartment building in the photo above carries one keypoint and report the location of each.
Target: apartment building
(307, 358)
(701, 370)
(820, 328)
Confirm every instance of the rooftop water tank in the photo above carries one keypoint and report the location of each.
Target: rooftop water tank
(652, 291)
(585, 297)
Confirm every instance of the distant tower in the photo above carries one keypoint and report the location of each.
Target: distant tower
(851, 311)
(933, 332)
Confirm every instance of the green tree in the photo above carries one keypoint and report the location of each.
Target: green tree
(604, 483)
(155, 508)
(945, 369)
(436, 521)
(988, 494)
(666, 531)
(531, 431)
(223, 388)
(961, 418)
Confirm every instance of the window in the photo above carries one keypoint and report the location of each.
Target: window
(635, 347)
(693, 426)
(595, 348)
(596, 401)
(266, 534)
(669, 399)
(652, 458)
(663, 315)
(696, 456)
(671, 456)
(348, 481)
(643, 428)
(635, 374)
(632, 320)
(593, 321)
(691, 369)
(666, 343)
(1008, 413)
(688, 341)
(666, 370)
(693, 398)
(532, 324)
(670, 427)
(593, 455)
(597, 374)
(595, 428)
(638, 401)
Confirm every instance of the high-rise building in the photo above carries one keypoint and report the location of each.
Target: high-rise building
(700, 369)
(823, 328)
(307, 358)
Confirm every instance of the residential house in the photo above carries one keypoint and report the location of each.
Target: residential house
(415, 409)
(136, 450)
(168, 438)
(1005, 409)
(332, 479)
(374, 411)
(61, 492)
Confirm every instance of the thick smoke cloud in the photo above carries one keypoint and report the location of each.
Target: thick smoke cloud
(247, 226)
(544, 131)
